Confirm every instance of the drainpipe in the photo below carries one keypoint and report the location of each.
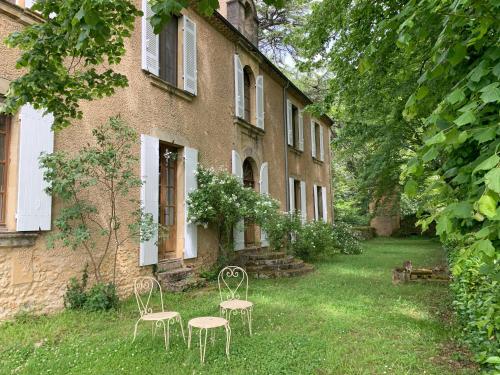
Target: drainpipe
(287, 185)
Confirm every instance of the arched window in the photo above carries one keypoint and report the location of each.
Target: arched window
(247, 80)
(248, 179)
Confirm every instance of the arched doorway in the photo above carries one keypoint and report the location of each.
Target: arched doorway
(249, 182)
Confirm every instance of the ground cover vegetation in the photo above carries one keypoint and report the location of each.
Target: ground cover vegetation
(345, 318)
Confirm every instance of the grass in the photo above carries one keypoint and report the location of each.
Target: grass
(345, 318)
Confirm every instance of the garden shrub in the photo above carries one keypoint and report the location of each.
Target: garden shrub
(345, 238)
(476, 293)
(100, 297)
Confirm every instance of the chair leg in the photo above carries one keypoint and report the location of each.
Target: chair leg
(135, 329)
(182, 328)
(203, 346)
(228, 338)
(249, 316)
(165, 334)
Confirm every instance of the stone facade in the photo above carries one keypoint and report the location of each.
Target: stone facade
(33, 277)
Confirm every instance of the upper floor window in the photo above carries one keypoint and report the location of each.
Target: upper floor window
(247, 83)
(169, 51)
(295, 127)
(248, 94)
(4, 147)
(317, 146)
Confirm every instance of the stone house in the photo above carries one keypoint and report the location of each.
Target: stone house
(202, 90)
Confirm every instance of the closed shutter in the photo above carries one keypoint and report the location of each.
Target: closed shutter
(150, 159)
(28, 3)
(321, 146)
(313, 139)
(323, 200)
(303, 201)
(239, 229)
(239, 88)
(301, 131)
(289, 124)
(264, 189)
(259, 105)
(291, 189)
(189, 56)
(315, 196)
(190, 185)
(34, 205)
(150, 42)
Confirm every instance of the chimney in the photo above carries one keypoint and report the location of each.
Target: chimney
(243, 15)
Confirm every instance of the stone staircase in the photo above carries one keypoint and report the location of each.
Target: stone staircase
(175, 277)
(270, 265)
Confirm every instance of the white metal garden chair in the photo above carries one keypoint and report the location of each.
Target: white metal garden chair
(143, 289)
(231, 280)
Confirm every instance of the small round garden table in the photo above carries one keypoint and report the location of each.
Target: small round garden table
(204, 324)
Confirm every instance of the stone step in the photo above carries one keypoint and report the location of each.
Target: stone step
(266, 255)
(273, 274)
(191, 282)
(175, 275)
(265, 262)
(291, 264)
(169, 264)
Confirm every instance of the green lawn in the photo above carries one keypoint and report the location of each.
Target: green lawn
(346, 318)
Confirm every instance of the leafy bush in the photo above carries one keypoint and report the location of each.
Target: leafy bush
(280, 227)
(100, 297)
(476, 301)
(345, 239)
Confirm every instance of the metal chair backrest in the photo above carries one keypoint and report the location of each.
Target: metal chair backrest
(230, 280)
(143, 289)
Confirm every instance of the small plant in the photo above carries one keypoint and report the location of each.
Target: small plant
(100, 297)
(345, 239)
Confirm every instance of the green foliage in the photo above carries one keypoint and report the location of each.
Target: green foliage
(61, 55)
(100, 297)
(94, 222)
(279, 227)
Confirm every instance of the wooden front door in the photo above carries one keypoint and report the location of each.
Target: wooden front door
(168, 200)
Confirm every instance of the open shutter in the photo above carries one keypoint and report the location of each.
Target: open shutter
(292, 194)
(315, 195)
(34, 205)
(323, 200)
(303, 201)
(239, 229)
(264, 189)
(301, 131)
(150, 159)
(190, 185)
(239, 89)
(321, 146)
(313, 139)
(28, 3)
(189, 56)
(150, 42)
(259, 105)
(289, 125)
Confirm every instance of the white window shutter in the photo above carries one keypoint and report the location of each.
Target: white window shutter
(301, 131)
(315, 195)
(259, 105)
(264, 189)
(29, 3)
(303, 201)
(239, 88)
(190, 56)
(291, 188)
(150, 159)
(323, 199)
(313, 139)
(289, 125)
(150, 42)
(190, 185)
(239, 229)
(321, 146)
(34, 205)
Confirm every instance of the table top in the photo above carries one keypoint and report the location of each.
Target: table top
(206, 322)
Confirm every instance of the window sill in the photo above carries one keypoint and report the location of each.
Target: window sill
(17, 239)
(318, 161)
(248, 128)
(168, 87)
(296, 151)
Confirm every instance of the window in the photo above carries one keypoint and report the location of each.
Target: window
(247, 87)
(295, 126)
(319, 194)
(169, 51)
(168, 198)
(297, 195)
(4, 144)
(317, 138)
